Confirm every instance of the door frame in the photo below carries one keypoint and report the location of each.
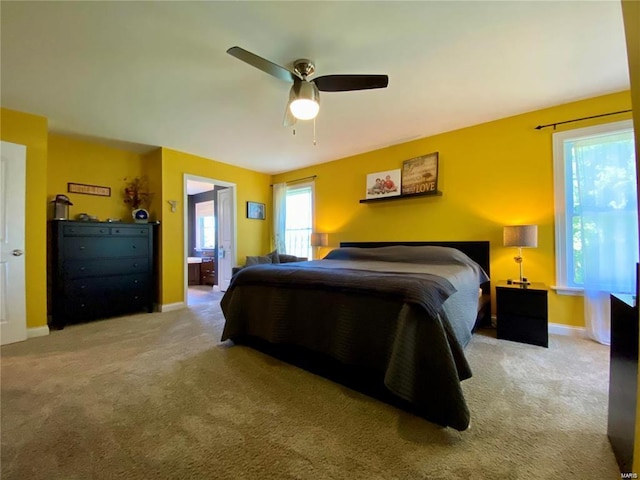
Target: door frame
(185, 221)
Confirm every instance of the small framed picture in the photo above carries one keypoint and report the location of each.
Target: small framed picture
(383, 184)
(255, 210)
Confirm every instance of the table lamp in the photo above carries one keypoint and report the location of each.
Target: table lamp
(319, 240)
(521, 236)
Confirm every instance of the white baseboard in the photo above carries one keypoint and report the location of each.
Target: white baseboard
(37, 332)
(172, 306)
(568, 330)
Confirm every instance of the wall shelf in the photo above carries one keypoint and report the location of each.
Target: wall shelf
(398, 197)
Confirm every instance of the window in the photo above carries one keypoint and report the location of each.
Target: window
(205, 226)
(299, 219)
(596, 208)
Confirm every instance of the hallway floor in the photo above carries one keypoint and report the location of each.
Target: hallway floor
(199, 294)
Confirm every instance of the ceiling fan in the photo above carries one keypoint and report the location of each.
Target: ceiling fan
(304, 97)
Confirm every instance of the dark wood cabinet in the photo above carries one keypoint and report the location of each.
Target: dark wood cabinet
(99, 270)
(623, 379)
(521, 313)
(193, 270)
(207, 271)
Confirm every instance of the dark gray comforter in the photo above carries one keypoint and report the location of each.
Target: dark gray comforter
(348, 308)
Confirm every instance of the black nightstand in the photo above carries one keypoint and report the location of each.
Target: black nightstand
(522, 313)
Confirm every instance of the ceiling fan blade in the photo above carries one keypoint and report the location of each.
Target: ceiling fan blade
(289, 120)
(344, 83)
(262, 64)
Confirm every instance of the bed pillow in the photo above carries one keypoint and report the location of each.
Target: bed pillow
(284, 258)
(256, 260)
(425, 254)
(275, 258)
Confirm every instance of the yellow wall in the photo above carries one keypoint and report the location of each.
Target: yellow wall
(152, 168)
(31, 130)
(491, 175)
(73, 160)
(79, 161)
(252, 235)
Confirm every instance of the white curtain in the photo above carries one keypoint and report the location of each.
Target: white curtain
(279, 216)
(606, 217)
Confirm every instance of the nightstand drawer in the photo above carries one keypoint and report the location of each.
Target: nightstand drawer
(523, 329)
(522, 302)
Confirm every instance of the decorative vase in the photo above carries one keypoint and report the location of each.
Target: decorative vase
(140, 215)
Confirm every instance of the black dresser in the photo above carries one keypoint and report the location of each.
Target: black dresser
(99, 270)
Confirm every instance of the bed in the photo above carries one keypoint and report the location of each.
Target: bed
(396, 315)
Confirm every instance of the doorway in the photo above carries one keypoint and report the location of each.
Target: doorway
(209, 237)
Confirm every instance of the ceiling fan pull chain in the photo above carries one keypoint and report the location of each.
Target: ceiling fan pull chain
(314, 132)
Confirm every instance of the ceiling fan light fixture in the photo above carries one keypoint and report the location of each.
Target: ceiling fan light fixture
(304, 109)
(305, 100)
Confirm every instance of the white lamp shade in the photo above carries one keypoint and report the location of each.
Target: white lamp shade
(319, 239)
(521, 236)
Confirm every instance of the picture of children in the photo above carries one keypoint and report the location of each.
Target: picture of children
(383, 184)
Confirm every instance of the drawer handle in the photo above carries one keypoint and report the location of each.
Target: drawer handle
(82, 247)
(136, 297)
(102, 230)
(82, 269)
(135, 281)
(135, 265)
(117, 231)
(82, 305)
(133, 246)
(82, 287)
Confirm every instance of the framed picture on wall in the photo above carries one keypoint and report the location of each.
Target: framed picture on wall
(256, 210)
(383, 184)
(420, 174)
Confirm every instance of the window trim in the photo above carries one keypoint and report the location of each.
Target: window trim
(300, 185)
(560, 214)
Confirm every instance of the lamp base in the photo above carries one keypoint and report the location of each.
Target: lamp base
(523, 282)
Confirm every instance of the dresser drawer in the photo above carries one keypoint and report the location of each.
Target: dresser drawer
(105, 247)
(75, 230)
(130, 231)
(107, 304)
(127, 286)
(115, 266)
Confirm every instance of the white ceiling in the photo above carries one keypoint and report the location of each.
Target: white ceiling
(156, 73)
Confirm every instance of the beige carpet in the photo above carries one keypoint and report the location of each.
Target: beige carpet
(158, 396)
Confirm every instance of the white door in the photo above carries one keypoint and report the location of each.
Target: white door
(13, 318)
(225, 237)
